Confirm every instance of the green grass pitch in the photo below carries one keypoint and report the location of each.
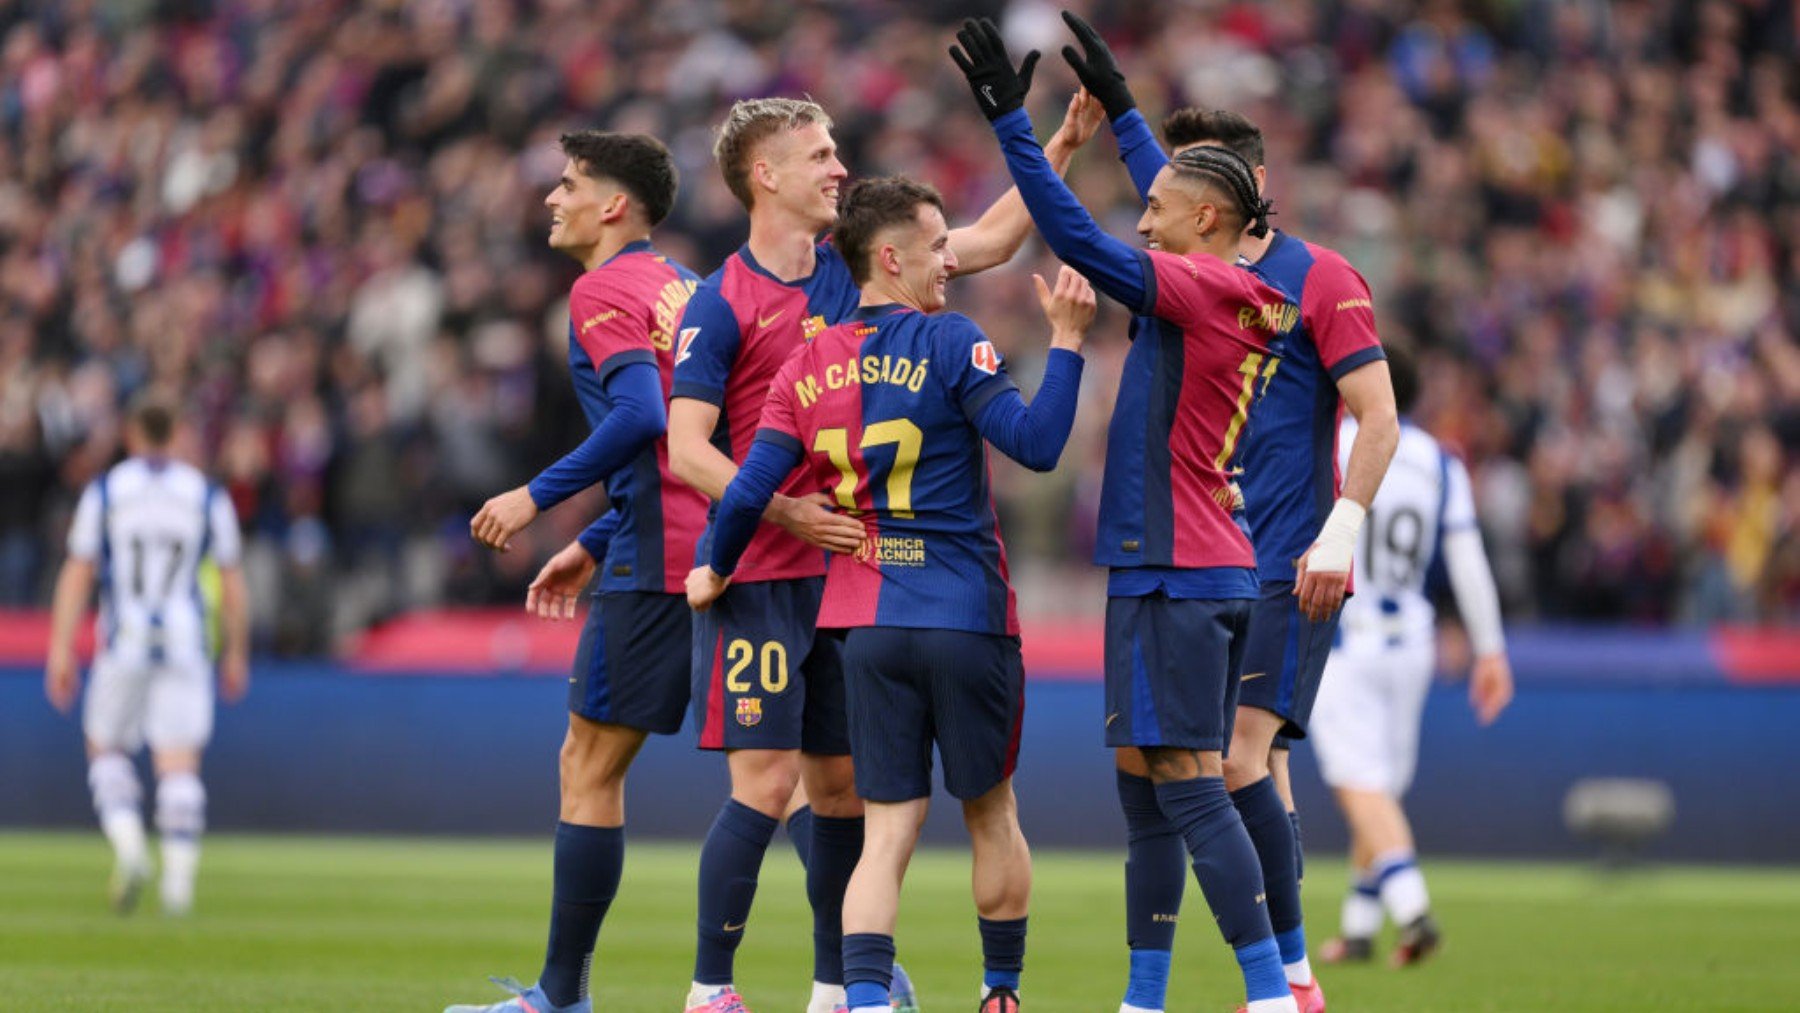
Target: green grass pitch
(299, 923)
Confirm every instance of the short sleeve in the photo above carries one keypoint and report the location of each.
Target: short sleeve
(780, 422)
(85, 533)
(971, 367)
(1340, 315)
(706, 347)
(1459, 495)
(222, 528)
(610, 329)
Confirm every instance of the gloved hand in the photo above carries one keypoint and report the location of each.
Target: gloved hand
(1098, 71)
(998, 88)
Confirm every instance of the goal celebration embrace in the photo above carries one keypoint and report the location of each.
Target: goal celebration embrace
(737, 506)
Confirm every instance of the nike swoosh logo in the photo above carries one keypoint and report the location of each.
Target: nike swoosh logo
(1110, 718)
(739, 927)
(766, 321)
(1252, 675)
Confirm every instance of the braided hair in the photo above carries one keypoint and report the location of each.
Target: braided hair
(1229, 168)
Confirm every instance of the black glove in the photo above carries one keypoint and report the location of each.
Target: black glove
(998, 88)
(1098, 71)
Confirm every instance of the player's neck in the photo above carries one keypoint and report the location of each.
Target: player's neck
(611, 242)
(880, 292)
(785, 246)
(1252, 248)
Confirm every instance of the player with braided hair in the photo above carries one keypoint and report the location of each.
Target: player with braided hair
(1183, 574)
(1303, 522)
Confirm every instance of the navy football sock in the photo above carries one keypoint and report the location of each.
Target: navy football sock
(1266, 819)
(1155, 878)
(1224, 859)
(1002, 952)
(837, 844)
(585, 877)
(730, 860)
(1299, 847)
(799, 830)
(868, 969)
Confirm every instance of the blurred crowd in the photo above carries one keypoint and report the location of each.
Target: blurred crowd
(320, 222)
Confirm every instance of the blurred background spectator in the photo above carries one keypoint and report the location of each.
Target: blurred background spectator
(320, 222)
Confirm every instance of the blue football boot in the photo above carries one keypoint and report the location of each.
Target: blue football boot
(524, 1000)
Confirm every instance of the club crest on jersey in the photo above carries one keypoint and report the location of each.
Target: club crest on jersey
(749, 711)
(812, 327)
(684, 344)
(985, 357)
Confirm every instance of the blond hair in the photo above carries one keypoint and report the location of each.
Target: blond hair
(748, 124)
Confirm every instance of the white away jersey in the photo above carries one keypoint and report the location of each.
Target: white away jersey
(1425, 496)
(148, 524)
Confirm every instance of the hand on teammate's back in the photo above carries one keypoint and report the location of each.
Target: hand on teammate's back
(810, 519)
(1070, 307)
(1098, 70)
(558, 587)
(981, 54)
(502, 517)
(1490, 687)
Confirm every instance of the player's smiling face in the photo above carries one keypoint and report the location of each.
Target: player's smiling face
(576, 204)
(1174, 218)
(920, 258)
(802, 168)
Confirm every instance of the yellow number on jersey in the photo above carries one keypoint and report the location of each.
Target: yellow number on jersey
(909, 442)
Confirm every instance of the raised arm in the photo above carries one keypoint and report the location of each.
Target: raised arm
(1100, 76)
(996, 236)
(1035, 436)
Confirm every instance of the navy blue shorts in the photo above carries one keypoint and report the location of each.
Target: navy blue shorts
(910, 688)
(1285, 659)
(765, 676)
(1172, 670)
(631, 667)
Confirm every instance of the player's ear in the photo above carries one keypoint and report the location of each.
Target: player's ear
(1262, 178)
(889, 258)
(616, 207)
(763, 175)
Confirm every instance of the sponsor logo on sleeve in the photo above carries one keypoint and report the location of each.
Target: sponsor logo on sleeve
(684, 344)
(984, 357)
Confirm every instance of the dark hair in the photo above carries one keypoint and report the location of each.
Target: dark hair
(1230, 169)
(1215, 126)
(153, 414)
(1405, 374)
(638, 162)
(871, 205)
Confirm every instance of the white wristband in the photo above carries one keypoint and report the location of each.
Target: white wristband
(1331, 551)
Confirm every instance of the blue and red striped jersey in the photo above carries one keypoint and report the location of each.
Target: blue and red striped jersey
(883, 409)
(626, 311)
(1291, 476)
(739, 328)
(1206, 340)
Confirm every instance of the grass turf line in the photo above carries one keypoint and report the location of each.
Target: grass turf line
(302, 923)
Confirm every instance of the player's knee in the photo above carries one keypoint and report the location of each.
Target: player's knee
(766, 782)
(114, 782)
(180, 805)
(1245, 769)
(831, 786)
(590, 764)
(1173, 764)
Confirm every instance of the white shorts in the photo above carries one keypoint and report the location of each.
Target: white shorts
(167, 706)
(1365, 724)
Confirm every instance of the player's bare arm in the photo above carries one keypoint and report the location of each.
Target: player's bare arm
(1323, 573)
(234, 621)
(995, 237)
(62, 676)
(694, 460)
